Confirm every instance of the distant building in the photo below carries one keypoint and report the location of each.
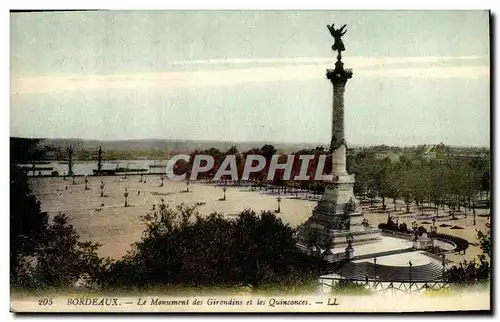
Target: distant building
(392, 155)
(460, 158)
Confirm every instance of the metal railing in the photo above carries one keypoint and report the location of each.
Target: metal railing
(327, 285)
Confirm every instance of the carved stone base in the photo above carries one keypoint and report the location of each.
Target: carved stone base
(335, 217)
(325, 237)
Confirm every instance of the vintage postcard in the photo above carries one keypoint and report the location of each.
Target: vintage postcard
(250, 161)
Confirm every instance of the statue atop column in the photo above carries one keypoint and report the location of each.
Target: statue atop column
(338, 46)
(337, 35)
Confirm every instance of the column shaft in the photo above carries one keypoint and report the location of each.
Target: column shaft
(338, 147)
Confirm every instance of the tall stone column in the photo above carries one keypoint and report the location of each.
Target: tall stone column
(338, 143)
(336, 219)
(341, 190)
(338, 112)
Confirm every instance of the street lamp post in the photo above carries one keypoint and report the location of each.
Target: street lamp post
(279, 202)
(125, 194)
(410, 271)
(73, 179)
(102, 188)
(443, 258)
(375, 267)
(141, 178)
(224, 190)
(86, 181)
(414, 226)
(433, 234)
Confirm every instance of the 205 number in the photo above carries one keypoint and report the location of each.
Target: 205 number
(45, 302)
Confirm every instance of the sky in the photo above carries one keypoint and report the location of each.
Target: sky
(419, 77)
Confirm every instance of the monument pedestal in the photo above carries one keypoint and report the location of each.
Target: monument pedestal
(332, 224)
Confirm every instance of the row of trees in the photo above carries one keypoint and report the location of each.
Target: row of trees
(421, 181)
(267, 151)
(414, 180)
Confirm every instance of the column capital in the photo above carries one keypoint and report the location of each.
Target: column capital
(338, 76)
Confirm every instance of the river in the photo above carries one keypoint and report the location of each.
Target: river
(87, 167)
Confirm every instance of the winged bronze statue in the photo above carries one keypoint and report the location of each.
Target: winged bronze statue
(337, 35)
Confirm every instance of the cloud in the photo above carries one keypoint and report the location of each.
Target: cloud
(468, 72)
(355, 61)
(280, 70)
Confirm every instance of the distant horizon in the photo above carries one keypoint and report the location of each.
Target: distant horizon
(325, 145)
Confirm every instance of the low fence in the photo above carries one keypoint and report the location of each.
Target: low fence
(327, 285)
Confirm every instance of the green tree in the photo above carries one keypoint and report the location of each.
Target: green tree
(268, 151)
(359, 165)
(380, 173)
(181, 247)
(45, 254)
(470, 186)
(404, 180)
(473, 272)
(485, 242)
(439, 185)
(394, 189)
(28, 224)
(61, 260)
(232, 150)
(420, 184)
